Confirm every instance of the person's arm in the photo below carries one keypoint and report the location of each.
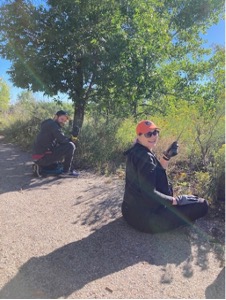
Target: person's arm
(174, 201)
(147, 181)
(164, 162)
(58, 134)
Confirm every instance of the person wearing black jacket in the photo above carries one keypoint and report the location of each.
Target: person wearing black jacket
(51, 145)
(149, 204)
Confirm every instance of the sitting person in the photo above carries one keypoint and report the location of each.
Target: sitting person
(149, 204)
(51, 145)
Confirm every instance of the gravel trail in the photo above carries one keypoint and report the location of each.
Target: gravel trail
(65, 238)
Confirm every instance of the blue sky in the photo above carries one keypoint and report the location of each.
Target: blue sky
(215, 35)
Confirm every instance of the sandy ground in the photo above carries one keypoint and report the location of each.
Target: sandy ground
(65, 238)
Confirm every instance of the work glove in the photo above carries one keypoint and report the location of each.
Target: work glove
(74, 134)
(171, 151)
(74, 138)
(188, 199)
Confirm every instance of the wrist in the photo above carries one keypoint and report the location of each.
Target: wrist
(74, 139)
(174, 202)
(165, 157)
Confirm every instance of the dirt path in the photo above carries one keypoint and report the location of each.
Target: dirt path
(65, 238)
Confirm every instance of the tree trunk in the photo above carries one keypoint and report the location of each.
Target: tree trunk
(79, 99)
(79, 113)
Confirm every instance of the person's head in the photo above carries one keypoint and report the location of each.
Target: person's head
(61, 117)
(147, 133)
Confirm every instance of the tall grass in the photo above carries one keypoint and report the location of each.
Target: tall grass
(102, 143)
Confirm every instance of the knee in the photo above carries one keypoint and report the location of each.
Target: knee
(68, 149)
(72, 146)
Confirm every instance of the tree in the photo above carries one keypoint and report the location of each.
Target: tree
(4, 96)
(111, 53)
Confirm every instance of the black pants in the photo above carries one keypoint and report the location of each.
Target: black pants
(165, 219)
(63, 151)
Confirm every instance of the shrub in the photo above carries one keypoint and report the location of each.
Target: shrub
(102, 143)
(217, 172)
(202, 183)
(22, 132)
(98, 146)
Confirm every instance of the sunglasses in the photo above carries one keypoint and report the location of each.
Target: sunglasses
(151, 133)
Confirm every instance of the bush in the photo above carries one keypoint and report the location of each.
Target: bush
(97, 147)
(102, 143)
(217, 172)
(202, 183)
(22, 132)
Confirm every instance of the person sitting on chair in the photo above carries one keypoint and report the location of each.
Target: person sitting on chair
(51, 145)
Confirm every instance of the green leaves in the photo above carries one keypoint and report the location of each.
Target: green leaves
(4, 96)
(116, 57)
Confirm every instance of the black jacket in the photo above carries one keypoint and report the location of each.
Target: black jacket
(146, 186)
(49, 136)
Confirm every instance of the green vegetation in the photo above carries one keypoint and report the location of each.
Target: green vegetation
(102, 142)
(4, 96)
(119, 62)
(117, 57)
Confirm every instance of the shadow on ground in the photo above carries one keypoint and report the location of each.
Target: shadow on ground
(16, 170)
(217, 289)
(110, 249)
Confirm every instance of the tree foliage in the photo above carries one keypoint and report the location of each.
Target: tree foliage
(4, 96)
(117, 57)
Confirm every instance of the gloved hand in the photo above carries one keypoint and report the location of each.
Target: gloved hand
(188, 199)
(74, 138)
(171, 151)
(75, 133)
